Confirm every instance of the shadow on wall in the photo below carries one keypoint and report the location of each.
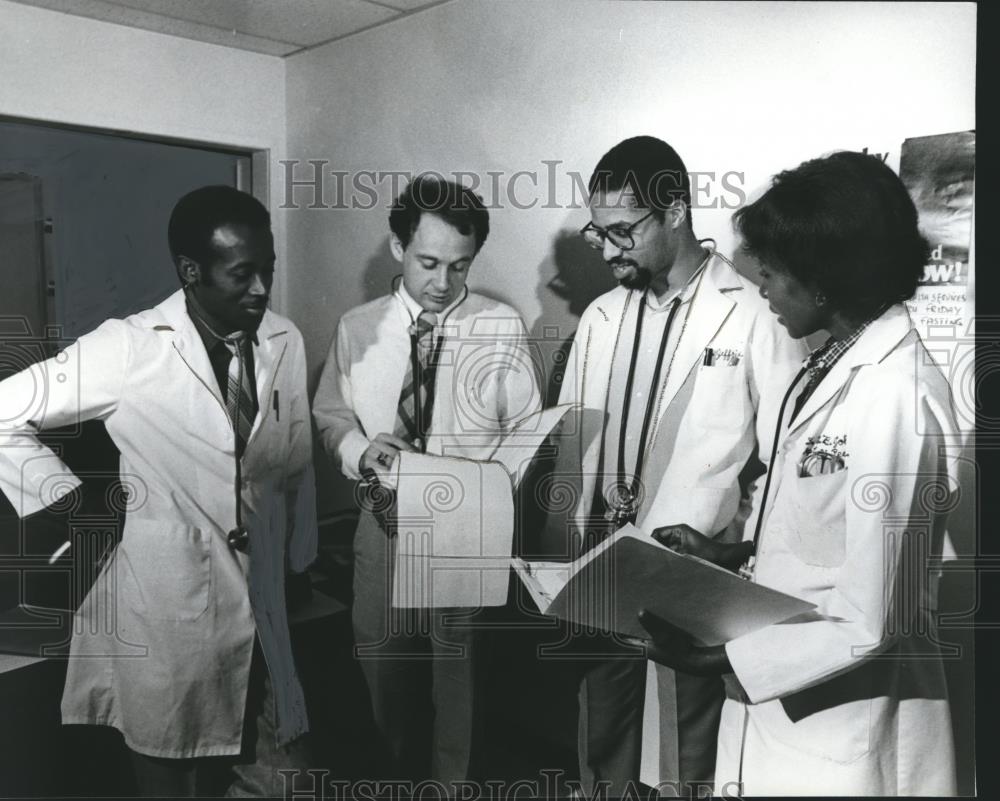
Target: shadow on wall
(337, 492)
(573, 277)
(376, 280)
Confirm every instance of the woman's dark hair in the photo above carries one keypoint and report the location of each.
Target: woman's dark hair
(457, 205)
(843, 224)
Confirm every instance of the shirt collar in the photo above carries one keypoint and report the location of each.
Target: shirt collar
(685, 293)
(209, 338)
(822, 360)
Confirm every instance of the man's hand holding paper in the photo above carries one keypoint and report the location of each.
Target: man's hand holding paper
(455, 519)
(381, 453)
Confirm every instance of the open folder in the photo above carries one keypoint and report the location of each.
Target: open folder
(454, 519)
(629, 571)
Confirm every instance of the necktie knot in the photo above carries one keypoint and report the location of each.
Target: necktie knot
(423, 330)
(236, 342)
(424, 324)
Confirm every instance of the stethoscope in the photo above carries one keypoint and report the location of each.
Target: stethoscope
(746, 569)
(238, 538)
(432, 363)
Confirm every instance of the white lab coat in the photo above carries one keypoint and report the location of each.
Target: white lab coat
(712, 419)
(731, 408)
(163, 642)
(854, 704)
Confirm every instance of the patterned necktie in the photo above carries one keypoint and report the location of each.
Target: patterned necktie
(239, 401)
(416, 394)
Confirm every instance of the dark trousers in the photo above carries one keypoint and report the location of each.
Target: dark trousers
(420, 669)
(252, 774)
(609, 734)
(689, 712)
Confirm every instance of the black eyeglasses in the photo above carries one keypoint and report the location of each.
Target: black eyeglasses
(620, 235)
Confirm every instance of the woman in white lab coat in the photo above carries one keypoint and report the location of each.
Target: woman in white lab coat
(851, 515)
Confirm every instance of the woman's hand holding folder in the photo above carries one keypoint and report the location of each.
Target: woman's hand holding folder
(670, 646)
(684, 539)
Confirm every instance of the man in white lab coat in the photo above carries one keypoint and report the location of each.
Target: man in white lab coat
(686, 364)
(182, 643)
(474, 380)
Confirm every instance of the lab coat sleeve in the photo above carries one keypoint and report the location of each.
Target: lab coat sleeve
(82, 382)
(519, 394)
(333, 408)
(572, 390)
(300, 481)
(898, 483)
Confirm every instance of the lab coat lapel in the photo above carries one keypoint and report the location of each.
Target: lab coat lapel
(596, 365)
(188, 345)
(268, 355)
(881, 336)
(710, 307)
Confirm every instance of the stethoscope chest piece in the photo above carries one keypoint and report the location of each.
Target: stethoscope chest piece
(238, 539)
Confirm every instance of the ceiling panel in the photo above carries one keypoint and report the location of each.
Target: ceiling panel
(408, 5)
(302, 22)
(275, 27)
(133, 18)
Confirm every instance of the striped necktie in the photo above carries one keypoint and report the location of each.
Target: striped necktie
(416, 397)
(239, 400)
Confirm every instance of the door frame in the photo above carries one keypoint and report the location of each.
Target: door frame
(258, 183)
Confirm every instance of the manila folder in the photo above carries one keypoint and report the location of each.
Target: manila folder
(632, 571)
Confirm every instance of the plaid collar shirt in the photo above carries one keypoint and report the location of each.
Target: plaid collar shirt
(821, 361)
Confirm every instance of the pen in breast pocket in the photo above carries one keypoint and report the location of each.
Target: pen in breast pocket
(274, 403)
(709, 357)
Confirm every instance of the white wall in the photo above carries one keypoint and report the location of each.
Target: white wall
(60, 68)
(483, 85)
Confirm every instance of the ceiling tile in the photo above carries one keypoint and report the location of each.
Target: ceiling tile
(408, 5)
(302, 22)
(274, 27)
(135, 18)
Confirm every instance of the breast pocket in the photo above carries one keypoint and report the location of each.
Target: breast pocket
(721, 400)
(164, 570)
(816, 520)
(268, 446)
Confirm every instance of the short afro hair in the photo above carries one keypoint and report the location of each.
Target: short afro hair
(650, 169)
(196, 216)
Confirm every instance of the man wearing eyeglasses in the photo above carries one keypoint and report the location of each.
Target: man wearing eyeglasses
(688, 366)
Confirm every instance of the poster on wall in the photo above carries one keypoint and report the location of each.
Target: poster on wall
(939, 172)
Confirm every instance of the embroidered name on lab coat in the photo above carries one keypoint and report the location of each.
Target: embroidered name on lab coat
(728, 357)
(824, 453)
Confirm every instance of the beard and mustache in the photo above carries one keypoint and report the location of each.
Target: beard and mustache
(638, 278)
